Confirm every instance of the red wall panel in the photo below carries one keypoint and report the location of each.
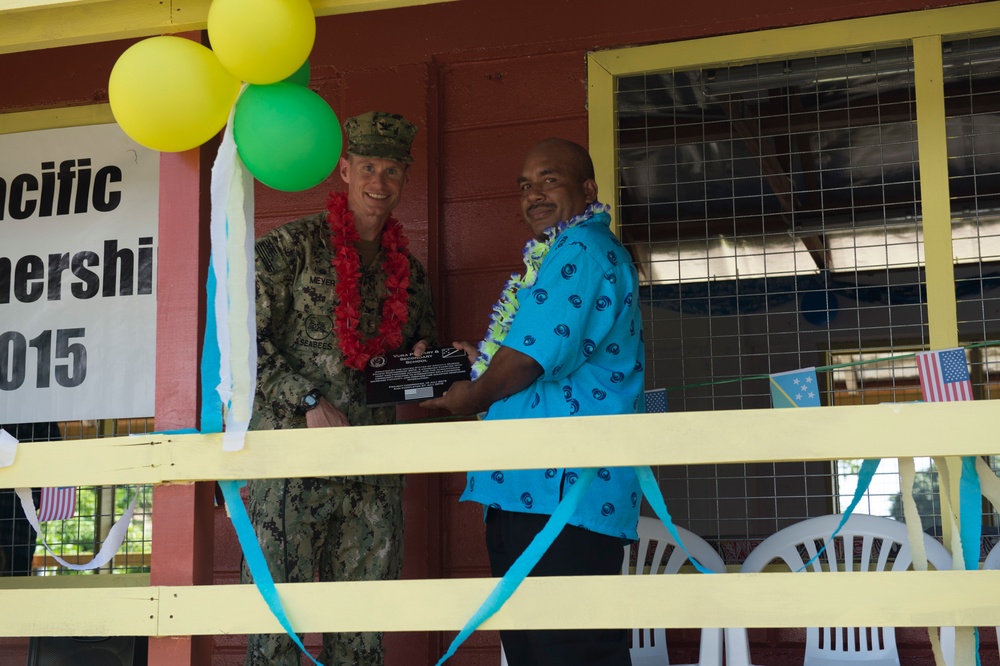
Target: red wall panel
(483, 81)
(513, 90)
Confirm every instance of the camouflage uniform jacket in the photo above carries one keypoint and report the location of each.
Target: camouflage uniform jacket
(297, 348)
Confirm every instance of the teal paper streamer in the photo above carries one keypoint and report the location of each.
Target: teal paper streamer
(255, 560)
(211, 421)
(651, 491)
(525, 563)
(970, 512)
(865, 474)
(211, 362)
(868, 467)
(970, 515)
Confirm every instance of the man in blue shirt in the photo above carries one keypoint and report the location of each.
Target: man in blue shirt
(565, 340)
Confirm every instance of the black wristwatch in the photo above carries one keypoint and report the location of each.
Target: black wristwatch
(309, 401)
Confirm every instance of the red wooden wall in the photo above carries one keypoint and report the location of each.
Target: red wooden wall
(484, 81)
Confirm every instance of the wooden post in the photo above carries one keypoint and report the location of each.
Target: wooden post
(183, 524)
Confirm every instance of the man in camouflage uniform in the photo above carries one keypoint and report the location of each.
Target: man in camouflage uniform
(343, 528)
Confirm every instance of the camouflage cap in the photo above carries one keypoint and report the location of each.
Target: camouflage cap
(380, 134)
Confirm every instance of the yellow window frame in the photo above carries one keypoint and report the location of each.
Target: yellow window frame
(923, 30)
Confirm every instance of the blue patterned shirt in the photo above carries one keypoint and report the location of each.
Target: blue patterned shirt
(581, 322)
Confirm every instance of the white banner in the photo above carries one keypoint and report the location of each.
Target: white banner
(78, 222)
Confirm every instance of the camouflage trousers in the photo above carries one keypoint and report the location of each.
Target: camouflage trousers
(342, 530)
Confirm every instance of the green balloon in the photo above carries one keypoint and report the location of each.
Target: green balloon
(301, 75)
(287, 136)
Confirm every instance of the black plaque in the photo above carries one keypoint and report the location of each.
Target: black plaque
(397, 378)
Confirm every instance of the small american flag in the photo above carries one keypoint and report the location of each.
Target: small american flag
(656, 400)
(57, 503)
(944, 375)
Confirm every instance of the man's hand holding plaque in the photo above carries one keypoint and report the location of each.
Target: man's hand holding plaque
(397, 378)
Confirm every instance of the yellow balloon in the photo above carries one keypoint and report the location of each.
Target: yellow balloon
(171, 94)
(261, 41)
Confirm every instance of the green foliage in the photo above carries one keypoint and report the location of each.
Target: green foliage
(78, 535)
(849, 467)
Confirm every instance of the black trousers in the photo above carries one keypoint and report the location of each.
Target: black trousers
(575, 552)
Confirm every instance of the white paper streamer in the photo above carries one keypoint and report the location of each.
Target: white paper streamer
(949, 477)
(8, 445)
(116, 535)
(222, 178)
(949, 482)
(242, 311)
(8, 448)
(235, 314)
(918, 554)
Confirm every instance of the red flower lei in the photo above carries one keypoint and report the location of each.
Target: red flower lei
(347, 263)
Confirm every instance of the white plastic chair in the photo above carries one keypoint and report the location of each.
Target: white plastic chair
(877, 538)
(992, 561)
(649, 646)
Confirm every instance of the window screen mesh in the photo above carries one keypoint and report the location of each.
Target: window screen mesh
(774, 211)
(77, 539)
(972, 109)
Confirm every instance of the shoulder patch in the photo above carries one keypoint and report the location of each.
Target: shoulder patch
(270, 255)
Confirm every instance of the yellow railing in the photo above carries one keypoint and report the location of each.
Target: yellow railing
(47, 561)
(751, 600)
